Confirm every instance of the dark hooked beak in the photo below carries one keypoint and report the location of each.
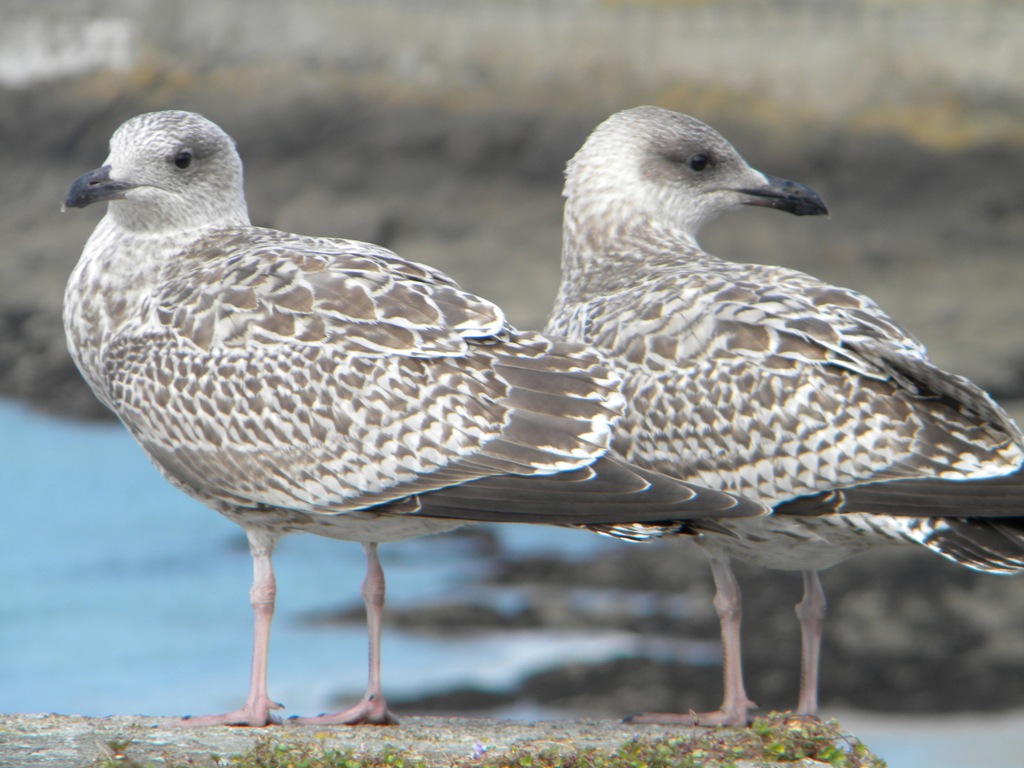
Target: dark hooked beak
(94, 187)
(787, 196)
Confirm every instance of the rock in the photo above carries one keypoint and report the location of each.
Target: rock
(54, 741)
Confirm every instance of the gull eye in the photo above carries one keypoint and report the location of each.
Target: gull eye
(699, 161)
(183, 159)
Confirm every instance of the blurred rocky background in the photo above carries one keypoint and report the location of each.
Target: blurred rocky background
(440, 129)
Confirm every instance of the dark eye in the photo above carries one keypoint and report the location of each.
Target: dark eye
(183, 159)
(699, 161)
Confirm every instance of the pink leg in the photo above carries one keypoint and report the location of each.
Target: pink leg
(372, 709)
(257, 707)
(811, 612)
(735, 703)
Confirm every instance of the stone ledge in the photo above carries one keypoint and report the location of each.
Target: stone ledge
(60, 741)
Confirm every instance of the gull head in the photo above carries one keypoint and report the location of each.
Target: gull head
(654, 166)
(166, 171)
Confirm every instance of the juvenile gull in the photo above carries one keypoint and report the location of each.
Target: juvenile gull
(767, 382)
(310, 384)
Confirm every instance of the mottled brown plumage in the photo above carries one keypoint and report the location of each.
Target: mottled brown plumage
(312, 384)
(767, 382)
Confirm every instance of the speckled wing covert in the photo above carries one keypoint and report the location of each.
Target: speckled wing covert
(754, 369)
(325, 376)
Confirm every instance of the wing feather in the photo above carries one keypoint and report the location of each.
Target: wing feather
(768, 382)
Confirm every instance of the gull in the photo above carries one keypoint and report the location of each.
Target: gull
(329, 386)
(767, 382)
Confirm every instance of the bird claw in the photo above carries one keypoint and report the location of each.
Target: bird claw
(248, 716)
(372, 710)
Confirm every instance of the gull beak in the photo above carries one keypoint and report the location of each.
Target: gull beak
(785, 195)
(94, 187)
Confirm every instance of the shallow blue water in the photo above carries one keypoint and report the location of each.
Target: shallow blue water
(119, 594)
